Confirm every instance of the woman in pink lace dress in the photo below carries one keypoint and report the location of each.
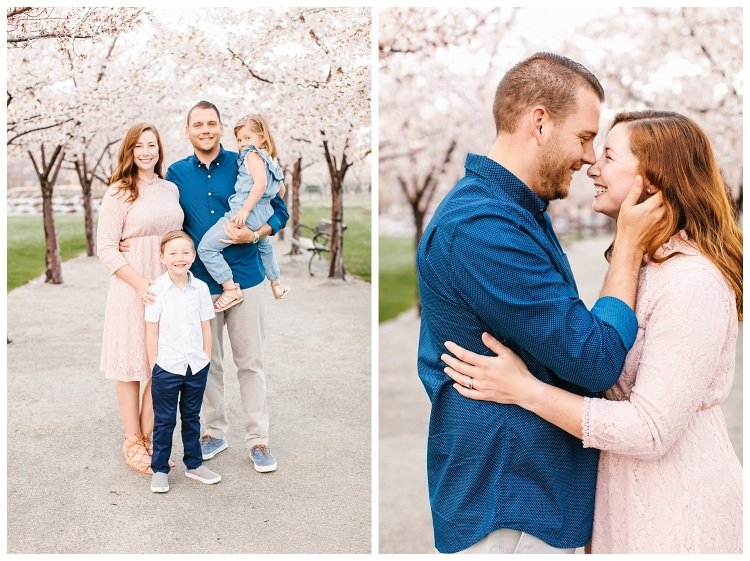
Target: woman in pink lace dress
(669, 480)
(139, 206)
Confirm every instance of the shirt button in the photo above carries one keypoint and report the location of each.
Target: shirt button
(209, 176)
(209, 194)
(212, 212)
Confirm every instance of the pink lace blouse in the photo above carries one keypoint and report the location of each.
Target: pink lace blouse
(669, 480)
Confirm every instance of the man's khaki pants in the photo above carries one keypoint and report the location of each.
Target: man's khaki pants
(245, 324)
(512, 541)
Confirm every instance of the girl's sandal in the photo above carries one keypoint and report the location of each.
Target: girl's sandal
(279, 290)
(136, 455)
(149, 444)
(228, 299)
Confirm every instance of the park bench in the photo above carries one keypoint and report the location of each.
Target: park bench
(318, 242)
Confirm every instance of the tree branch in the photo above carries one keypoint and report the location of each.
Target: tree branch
(19, 135)
(45, 35)
(13, 12)
(247, 66)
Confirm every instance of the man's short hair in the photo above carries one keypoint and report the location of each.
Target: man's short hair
(545, 79)
(203, 105)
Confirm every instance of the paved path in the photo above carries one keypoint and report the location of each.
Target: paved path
(69, 490)
(405, 522)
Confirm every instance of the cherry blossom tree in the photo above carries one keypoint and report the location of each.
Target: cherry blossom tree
(49, 52)
(439, 68)
(311, 72)
(430, 93)
(78, 77)
(681, 59)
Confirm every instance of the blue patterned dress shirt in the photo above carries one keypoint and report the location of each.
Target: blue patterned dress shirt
(204, 196)
(490, 261)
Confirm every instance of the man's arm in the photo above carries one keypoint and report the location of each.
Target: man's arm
(505, 272)
(276, 222)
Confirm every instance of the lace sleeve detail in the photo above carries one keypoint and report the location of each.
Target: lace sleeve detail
(682, 355)
(586, 425)
(111, 224)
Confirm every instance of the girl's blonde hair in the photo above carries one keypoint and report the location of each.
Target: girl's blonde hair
(675, 155)
(125, 175)
(259, 125)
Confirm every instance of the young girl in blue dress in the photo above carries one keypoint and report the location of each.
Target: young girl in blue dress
(259, 180)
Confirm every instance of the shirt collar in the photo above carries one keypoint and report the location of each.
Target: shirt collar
(217, 160)
(505, 181)
(167, 280)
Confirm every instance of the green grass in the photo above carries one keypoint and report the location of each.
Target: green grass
(398, 276)
(26, 251)
(26, 241)
(357, 246)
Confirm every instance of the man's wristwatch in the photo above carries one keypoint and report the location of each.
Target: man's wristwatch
(255, 236)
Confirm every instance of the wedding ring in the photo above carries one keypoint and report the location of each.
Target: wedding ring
(470, 383)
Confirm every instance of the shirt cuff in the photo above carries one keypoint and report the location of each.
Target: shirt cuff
(275, 223)
(620, 316)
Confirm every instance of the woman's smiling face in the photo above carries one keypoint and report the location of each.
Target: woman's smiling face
(614, 172)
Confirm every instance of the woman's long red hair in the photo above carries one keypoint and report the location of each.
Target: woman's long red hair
(675, 155)
(125, 175)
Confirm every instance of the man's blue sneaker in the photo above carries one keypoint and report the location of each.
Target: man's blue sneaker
(211, 446)
(262, 458)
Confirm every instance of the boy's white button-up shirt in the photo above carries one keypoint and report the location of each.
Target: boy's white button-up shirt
(179, 312)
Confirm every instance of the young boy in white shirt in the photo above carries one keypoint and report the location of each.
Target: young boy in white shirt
(178, 344)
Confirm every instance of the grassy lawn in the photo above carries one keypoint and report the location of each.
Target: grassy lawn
(398, 276)
(26, 252)
(357, 247)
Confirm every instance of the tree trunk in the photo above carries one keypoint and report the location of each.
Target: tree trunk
(336, 270)
(47, 176)
(86, 182)
(53, 270)
(419, 195)
(88, 218)
(337, 174)
(418, 215)
(296, 184)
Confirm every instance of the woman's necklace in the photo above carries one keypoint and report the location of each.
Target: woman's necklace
(149, 181)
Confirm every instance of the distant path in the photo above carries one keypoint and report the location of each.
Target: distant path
(69, 490)
(405, 521)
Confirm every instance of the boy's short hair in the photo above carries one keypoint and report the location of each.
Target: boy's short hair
(173, 235)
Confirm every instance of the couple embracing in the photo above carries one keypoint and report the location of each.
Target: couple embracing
(554, 426)
(167, 307)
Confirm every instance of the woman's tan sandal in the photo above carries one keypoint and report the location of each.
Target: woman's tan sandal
(136, 455)
(149, 444)
(228, 298)
(279, 290)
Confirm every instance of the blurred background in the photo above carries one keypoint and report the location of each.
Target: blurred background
(438, 70)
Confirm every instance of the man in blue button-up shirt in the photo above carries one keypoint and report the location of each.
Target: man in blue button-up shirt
(206, 180)
(500, 478)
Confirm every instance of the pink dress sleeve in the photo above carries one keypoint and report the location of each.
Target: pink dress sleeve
(682, 349)
(112, 216)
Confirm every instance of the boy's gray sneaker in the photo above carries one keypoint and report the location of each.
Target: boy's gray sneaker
(160, 482)
(211, 446)
(262, 458)
(204, 475)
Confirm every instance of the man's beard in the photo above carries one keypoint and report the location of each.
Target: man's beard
(554, 173)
